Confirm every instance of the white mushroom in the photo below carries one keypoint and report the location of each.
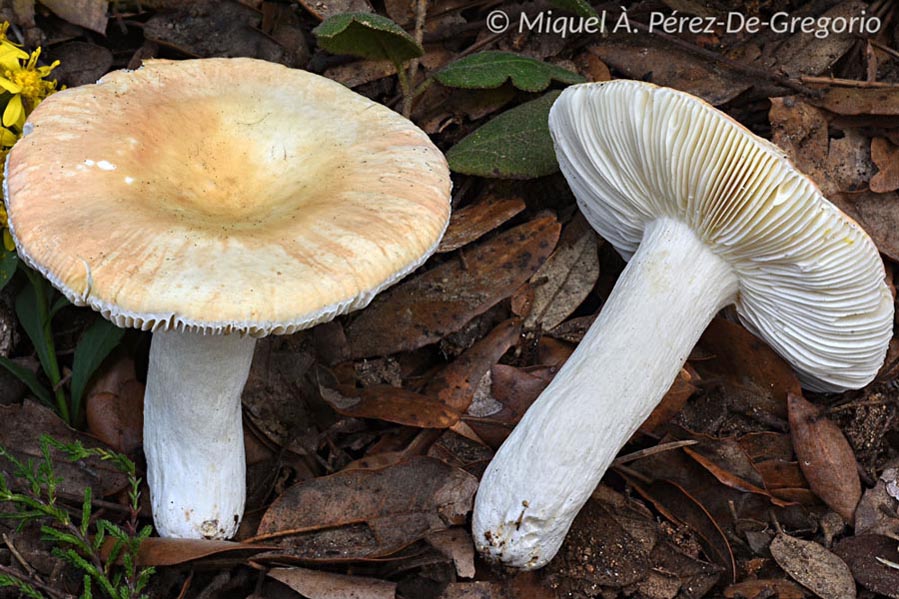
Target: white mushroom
(213, 202)
(709, 215)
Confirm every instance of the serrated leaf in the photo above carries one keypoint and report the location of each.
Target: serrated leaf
(514, 145)
(488, 70)
(581, 8)
(96, 343)
(368, 36)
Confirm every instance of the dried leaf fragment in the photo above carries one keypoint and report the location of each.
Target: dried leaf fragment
(390, 404)
(368, 513)
(814, 567)
(424, 309)
(316, 584)
(475, 220)
(157, 551)
(886, 157)
(566, 278)
(90, 14)
(825, 457)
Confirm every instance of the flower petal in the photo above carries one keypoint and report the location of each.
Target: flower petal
(14, 112)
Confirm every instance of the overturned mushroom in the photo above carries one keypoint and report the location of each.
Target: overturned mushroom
(709, 215)
(213, 202)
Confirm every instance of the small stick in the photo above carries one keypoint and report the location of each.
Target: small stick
(730, 64)
(847, 82)
(36, 583)
(15, 552)
(884, 47)
(643, 453)
(421, 11)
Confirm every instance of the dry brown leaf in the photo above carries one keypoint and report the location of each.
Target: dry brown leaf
(90, 14)
(672, 402)
(861, 554)
(885, 156)
(726, 460)
(767, 445)
(456, 384)
(566, 278)
(278, 377)
(512, 391)
(780, 474)
(360, 72)
(800, 130)
(859, 100)
(826, 459)
(316, 584)
(456, 544)
(322, 9)
(425, 308)
(763, 589)
(877, 511)
(205, 28)
(367, 513)
(810, 54)
(755, 378)
(115, 407)
(80, 63)
(471, 222)
(814, 567)
(22, 428)
(679, 506)
(637, 56)
(156, 551)
(878, 213)
(391, 404)
(525, 585)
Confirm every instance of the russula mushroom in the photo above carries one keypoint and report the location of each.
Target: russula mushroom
(213, 202)
(708, 214)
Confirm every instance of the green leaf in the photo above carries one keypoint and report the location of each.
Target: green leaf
(368, 36)
(29, 310)
(488, 70)
(96, 343)
(581, 8)
(8, 262)
(514, 145)
(30, 380)
(60, 303)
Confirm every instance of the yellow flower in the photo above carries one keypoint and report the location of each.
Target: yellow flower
(10, 53)
(26, 84)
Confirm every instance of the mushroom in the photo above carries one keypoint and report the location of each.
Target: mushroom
(214, 202)
(708, 215)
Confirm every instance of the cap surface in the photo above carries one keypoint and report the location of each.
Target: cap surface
(223, 195)
(811, 280)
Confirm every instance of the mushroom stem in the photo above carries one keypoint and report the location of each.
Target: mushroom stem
(193, 438)
(550, 464)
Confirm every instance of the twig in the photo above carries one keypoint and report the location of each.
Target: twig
(643, 453)
(884, 47)
(859, 404)
(36, 583)
(487, 41)
(421, 11)
(15, 552)
(630, 472)
(186, 586)
(733, 65)
(847, 82)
